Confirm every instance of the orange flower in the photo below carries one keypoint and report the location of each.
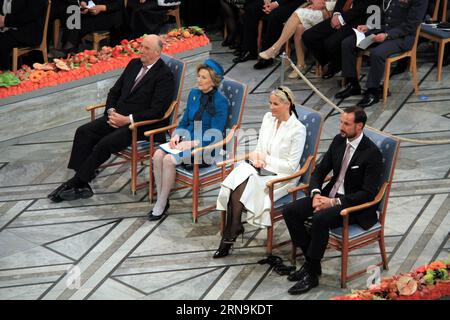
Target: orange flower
(436, 265)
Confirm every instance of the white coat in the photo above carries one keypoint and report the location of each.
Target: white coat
(283, 148)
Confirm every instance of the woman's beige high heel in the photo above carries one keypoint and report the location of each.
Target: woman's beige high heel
(294, 74)
(270, 53)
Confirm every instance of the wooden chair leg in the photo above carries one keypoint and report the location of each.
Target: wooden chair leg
(387, 74)
(344, 263)
(44, 54)
(440, 59)
(133, 175)
(56, 29)
(383, 252)
(177, 18)
(318, 69)
(269, 245)
(15, 57)
(414, 74)
(195, 190)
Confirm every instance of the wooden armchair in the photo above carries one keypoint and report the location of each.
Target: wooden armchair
(350, 237)
(412, 54)
(139, 150)
(198, 178)
(313, 122)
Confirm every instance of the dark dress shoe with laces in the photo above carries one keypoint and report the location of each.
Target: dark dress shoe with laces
(152, 217)
(244, 56)
(308, 282)
(300, 274)
(262, 64)
(330, 72)
(76, 193)
(370, 98)
(54, 195)
(348, 91)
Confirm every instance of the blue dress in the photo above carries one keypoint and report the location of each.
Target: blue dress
(214, 116)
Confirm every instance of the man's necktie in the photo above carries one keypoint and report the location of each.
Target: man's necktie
(139, 78)
(347, 5)
(344, 165)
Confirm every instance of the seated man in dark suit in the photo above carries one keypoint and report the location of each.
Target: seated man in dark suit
(144, 91)
(356, 164)
(276, 13)
(21, 25)
(324, 39)
(399, 22)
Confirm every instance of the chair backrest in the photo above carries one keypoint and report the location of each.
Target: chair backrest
(313, 121)
(178, 69)
(389, 147)
(236, 93)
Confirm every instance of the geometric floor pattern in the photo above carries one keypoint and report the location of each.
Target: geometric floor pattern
(104, 247)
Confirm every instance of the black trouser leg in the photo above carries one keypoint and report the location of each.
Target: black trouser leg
(253, 12)
(295, 215)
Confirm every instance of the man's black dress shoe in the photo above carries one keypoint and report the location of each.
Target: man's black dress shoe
(262, 64)
(308, 282)
(75, 193)
(299, 274)
(54, 195)
(152, 217)
(244, 56)
(329, 72)
(348, 91)
(237, 52)
(369, 99)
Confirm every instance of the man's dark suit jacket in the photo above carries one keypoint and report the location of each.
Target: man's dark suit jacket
(362, 179)
(357, 15)
(150, 98)
(402, 19)
(28, 16)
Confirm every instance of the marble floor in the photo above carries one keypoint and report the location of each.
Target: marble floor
(104, 247)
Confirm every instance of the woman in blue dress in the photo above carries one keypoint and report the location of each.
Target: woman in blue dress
(203, 123)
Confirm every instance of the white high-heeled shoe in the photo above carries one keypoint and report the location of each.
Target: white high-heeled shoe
(294, 74)
(268, 54)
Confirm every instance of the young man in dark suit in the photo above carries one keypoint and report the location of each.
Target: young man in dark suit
(144, 91)
(356, 163)
(399, 22)
(324, 39)
(21, 25)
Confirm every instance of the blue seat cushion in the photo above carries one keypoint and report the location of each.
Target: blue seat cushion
(354, 231)
(288, 199)
(443, 34)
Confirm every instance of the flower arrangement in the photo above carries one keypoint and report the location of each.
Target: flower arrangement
(91, 62)
(428, 282)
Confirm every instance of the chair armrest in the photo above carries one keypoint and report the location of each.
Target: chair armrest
(95, 106)
(217, 144)
(147, 122)
(293, 176)
(298, 188)
(366, 205)
(144, 123)
(159, 130)
(237, 159)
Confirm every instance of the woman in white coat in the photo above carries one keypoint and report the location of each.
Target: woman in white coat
(279, 149)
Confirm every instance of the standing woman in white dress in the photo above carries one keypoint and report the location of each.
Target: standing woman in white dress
(279, 149)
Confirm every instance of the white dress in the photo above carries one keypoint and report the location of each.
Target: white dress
(283, 149)
(310, 17)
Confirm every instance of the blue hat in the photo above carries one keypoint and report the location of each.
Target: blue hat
(217, 68)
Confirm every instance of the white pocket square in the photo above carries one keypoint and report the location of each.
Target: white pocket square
(354, 167)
